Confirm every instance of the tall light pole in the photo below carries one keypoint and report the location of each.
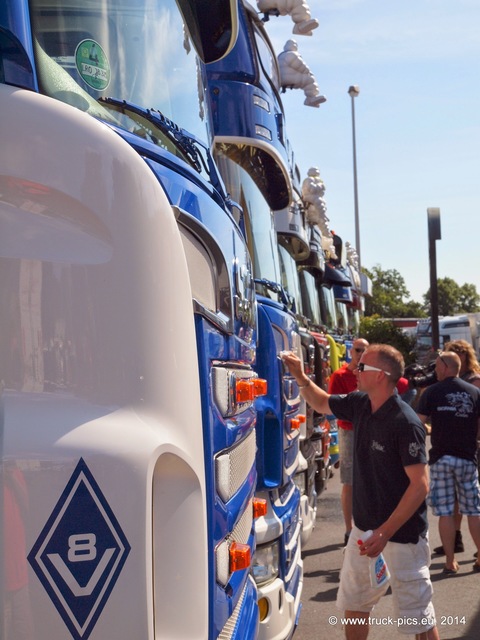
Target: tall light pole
(434, 233)
(353, 92)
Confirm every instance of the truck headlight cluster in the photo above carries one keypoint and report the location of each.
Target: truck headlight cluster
(300, 482)
(265, 563)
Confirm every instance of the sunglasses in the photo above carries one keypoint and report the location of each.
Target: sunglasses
(368, 367)
(439, 355)
(359, 350)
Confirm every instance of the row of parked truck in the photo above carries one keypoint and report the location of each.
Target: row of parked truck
(159, 249)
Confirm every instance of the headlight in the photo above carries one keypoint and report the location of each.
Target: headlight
(265, 563)
(299, 480)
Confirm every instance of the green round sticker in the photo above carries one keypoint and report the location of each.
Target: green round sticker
(92, 64)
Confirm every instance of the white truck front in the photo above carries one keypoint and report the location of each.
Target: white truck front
(102, 454)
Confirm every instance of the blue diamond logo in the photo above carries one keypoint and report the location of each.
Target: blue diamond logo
(80, 553)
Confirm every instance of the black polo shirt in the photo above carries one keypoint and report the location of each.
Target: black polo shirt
(453, 406)
(385, 442)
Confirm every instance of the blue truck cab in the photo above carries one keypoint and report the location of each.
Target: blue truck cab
(129, 412)
(253, 154)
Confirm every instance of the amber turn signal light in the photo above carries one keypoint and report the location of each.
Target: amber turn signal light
(244, 391)
(259, 387)
(240, 556)
(259, 507)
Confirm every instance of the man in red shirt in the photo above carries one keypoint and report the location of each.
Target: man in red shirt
(344, 380)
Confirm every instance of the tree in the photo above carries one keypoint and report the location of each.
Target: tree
(469, 298)
(453, 298)
(378, 330)
(390, 296)
(413, 309)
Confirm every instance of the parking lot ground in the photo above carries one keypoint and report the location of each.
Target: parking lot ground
(456, 598)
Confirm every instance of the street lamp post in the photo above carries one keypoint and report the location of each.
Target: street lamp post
(434, 233)
(353, 92)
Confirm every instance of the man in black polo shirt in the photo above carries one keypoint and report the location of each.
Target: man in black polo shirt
(390, 483)
(452, 406)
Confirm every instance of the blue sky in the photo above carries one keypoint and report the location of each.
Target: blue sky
(417, 63)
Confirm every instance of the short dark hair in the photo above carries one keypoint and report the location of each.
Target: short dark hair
(390, 358)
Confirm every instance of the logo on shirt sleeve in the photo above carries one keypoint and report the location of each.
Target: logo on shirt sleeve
(414, 449)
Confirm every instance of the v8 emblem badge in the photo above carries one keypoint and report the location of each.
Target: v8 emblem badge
(80, 553)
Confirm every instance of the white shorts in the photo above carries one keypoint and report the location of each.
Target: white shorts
(410, 581)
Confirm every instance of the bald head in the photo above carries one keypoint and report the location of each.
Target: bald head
(360, 343)
(447, 365)
(359, 346)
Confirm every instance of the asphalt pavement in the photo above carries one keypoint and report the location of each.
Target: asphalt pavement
(456, 598)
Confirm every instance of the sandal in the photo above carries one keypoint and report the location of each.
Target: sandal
(451, 572)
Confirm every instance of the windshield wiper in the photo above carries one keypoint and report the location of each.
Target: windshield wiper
(191, 147)
(285, 298)
(180, 138)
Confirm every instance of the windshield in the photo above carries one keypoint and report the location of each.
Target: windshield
(424, 328)
(267, 59)
(311, 302)
(327, 305)
(289, 275)
(259, 226)
(342, 317)
(353, 321)
(132, 50)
